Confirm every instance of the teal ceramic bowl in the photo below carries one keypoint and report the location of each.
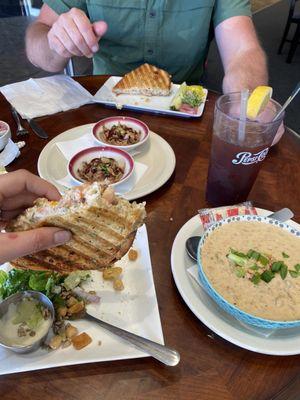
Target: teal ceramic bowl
(228, 307)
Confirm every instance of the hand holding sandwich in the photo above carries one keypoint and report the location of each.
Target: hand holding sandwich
(18, 190)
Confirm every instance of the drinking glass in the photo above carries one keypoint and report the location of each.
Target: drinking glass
(237, 152)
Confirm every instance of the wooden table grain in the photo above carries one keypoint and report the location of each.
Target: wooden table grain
(210, 367)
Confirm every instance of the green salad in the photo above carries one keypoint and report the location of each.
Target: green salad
(47, 282)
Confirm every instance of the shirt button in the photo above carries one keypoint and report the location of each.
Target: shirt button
(152, 14)
(150, 51)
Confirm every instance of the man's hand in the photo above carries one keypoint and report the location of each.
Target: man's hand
(18, 190)
(72, 34)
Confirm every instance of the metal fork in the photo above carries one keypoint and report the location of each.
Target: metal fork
(20, 130)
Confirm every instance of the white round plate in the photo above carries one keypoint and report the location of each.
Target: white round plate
(280, 342)
(156, 153)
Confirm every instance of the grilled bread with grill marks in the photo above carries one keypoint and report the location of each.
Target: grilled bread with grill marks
(103, 228)
(145, 80)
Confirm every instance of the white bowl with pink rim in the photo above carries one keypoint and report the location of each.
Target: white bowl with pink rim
(129, 122)
(5, 134)
(123, 159)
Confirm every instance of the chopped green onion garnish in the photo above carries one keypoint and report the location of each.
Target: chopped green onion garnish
(284, 255)
(255, 278)
(238, 260)
(294, 274)
(254, 267)
(297, 267)
(276, 266)
(267, 276)
(253, 254)
(283, 271)
(240, 272)
(238, 253)
(263, 260)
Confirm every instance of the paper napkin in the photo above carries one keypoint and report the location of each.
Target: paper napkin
(193, 272)
(44, 96)
(71, 147)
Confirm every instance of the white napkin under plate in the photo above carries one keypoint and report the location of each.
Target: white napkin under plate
(71, 147)
(44, 96)
(193, 272)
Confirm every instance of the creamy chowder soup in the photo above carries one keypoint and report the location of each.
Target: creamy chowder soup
(256, 267)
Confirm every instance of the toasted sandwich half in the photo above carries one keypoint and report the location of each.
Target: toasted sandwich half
(103, 228)
(145, 80)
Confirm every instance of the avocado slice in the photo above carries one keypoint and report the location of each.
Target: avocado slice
(177, 99)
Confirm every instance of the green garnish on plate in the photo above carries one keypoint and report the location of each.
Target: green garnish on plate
(276, 266)
(283, 271)
(267, 276)
(244, 266)
(256, 278)
(294, 274)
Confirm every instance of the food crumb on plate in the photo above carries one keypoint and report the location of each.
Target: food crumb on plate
(132, 254)
(118, 284)
(81, 341)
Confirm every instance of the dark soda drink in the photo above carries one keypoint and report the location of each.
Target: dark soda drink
(236, 159)
(232, 171)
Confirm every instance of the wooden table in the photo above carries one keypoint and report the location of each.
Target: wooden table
(210, 368)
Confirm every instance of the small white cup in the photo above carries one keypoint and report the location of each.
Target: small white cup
(5, 134)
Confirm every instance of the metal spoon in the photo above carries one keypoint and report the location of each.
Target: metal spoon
(191, 244)
(162, 353)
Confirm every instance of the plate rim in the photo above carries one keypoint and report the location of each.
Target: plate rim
(164, 177)
(208, 322)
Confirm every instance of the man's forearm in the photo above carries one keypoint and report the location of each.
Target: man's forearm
(246, 70)
(38, 50)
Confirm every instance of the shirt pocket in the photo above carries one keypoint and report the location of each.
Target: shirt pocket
(125, 19)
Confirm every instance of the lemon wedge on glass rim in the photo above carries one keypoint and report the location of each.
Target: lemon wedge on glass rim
(258, 100)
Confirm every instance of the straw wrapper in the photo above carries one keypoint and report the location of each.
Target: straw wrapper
(209, 216)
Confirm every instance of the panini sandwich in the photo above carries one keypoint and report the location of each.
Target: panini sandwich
(145, 80)
(103, 228)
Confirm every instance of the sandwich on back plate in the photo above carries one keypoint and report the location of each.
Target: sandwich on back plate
(145, 80)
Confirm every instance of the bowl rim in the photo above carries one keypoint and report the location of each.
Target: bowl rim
(37, 295)
(136, 121)
(87, 150)
(248, 218)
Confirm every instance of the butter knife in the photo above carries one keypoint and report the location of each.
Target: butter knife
(37, 129)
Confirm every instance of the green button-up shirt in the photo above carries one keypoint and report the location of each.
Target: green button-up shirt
(171, 34)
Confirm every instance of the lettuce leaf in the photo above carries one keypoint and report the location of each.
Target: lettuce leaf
(19, 280)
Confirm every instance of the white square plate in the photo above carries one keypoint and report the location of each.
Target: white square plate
(152, 104)
(134, 309)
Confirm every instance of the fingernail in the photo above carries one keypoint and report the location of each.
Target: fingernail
(95, 48)
(89, 55)
(61, 237)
